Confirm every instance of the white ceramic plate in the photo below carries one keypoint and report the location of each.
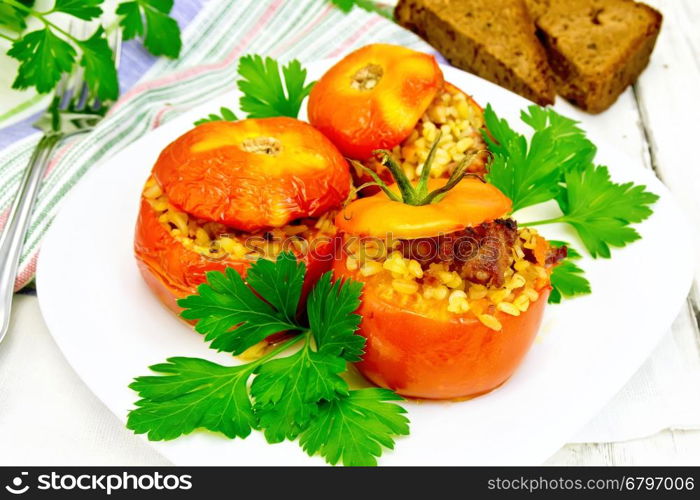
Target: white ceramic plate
(111, 328)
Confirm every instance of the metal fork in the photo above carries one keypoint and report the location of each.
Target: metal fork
(71, 112)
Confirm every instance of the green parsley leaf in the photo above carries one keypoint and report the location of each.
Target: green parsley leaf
(43, 58)
(12, 18)
(572, 149)
(162, 34)
(567, 278)
(100, 72)
(331, 309)
(287, 391)
(354, 429)
(557, 163)
(226, 115)
(230, 315)
(130, 20)
(530, 174)
(522, 173)
(264, 95)
(279, 283)
(301, 394)
(193, 393)
(567, 281)
(601, 210)
(368, 5)
(344, 5)
(82, 9)
(571, 253)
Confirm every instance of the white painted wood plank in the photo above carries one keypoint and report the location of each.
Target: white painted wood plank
(669, 97)
(669, 107)
(670, 447)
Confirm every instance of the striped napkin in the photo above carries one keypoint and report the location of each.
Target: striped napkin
(216, 33)
(154, 91)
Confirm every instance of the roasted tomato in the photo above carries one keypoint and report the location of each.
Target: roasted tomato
(457, 120)
(453, 293)
(373, 98)
(225, 194)
(470, 202)
(173, 271)
(253, 174)
(439, 355)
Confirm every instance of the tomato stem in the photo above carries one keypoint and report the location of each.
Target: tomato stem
(408, 194)
(422, 187)
(377, 181)
(457, 175)
(418, 195)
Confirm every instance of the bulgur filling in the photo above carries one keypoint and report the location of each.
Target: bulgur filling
(446, 287)
(460, 120)
(216, 241)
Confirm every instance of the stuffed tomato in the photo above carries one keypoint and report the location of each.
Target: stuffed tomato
(227, 193)
(453, 291)
(393, 98)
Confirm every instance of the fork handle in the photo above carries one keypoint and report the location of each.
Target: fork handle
(15, 230)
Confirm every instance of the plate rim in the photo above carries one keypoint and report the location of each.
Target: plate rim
(175, 123)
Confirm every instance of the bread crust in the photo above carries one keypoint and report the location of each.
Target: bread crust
(596, 48)
(516, 61)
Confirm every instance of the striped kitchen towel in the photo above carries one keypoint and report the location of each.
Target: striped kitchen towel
(155, 91)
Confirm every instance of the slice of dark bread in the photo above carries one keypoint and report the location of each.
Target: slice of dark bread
(494, 39)
(596, 48)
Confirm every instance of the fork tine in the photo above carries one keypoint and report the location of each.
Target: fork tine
(116, 46)
(81, 93)
(62, 90)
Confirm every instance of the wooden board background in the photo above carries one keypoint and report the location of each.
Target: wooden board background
(659, 119)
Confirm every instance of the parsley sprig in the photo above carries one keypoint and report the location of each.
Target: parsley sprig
(530, 172)
(567, 277)
(267, 90)
(149, 19)
(13, 18)
(557, 163)
(264, 93)
(368, 5)
(47, 54)
(294, 394)
(601, 210)
(225, 115)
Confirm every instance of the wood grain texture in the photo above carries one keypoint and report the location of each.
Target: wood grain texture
(656, 121)
(667, 106)
(669, 447)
